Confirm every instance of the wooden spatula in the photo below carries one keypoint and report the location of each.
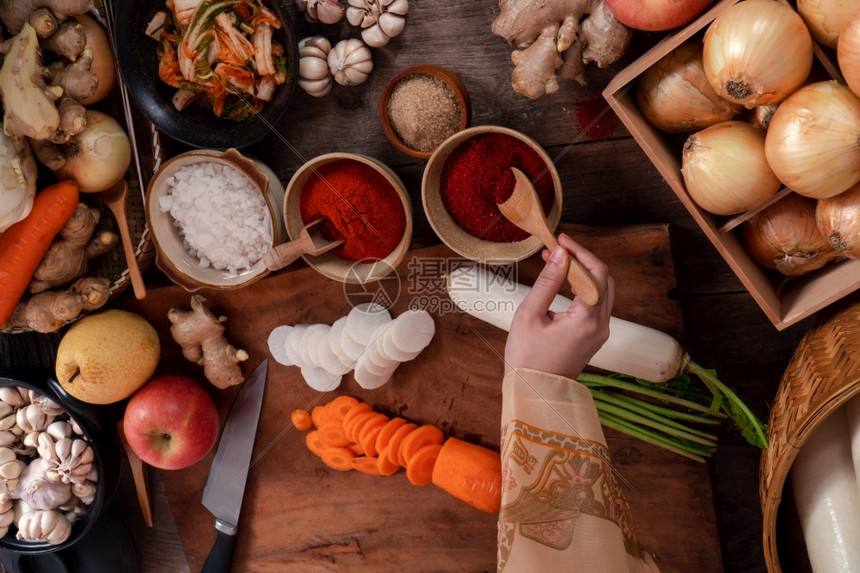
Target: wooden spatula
(524, 210)
(310, 242)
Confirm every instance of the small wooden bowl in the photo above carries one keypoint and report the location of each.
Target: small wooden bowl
(435, 71)
(329, 264)
(171, 257)
(457, 238)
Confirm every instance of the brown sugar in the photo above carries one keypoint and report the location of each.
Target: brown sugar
(424, 111)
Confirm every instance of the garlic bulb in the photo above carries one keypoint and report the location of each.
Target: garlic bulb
(757, 52)
(725, 169)
(325, 11)
(784, 237)
(838, 219)
(350, 62)
(812, 140)
(380, 20)
(826, 18)
(314, 75)
(50, 526)
(38, 490)
(674, 95)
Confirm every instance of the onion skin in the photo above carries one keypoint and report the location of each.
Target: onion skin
(674, 95)
(97, 157)
(826, 18)
(725, 169)
(848, 51)
(838, 219)
(757, 52)
(103, 63)
(812, 141)
(784, 237)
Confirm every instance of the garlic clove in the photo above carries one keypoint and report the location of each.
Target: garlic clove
(329, 12)
(312, 68)
(374, 36)
(354, 16)
(391, 24)
(59, 430)
(7, 438)
(316, 88)
(11, 396)
(11, 470)
(7, 455)
(5, 409)
(399, 7)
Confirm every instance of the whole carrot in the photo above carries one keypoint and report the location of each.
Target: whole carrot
(23, 245)
(471, 473)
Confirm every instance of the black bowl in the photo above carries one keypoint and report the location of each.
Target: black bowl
(102, 438)
(195, 125)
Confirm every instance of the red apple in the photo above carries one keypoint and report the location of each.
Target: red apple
(171, 422)
(656, 15)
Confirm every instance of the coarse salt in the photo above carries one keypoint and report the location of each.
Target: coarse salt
(222, 218)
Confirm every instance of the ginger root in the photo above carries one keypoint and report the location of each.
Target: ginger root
(201, 336)
(558, 37)
(48, 311)
(15, 13)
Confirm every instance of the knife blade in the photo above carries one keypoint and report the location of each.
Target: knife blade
(225, 486)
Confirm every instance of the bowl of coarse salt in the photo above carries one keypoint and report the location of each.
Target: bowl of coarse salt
(212, 216)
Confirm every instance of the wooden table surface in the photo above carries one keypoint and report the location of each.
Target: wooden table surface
(607, 181)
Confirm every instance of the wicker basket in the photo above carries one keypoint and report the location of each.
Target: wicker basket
(823, 374)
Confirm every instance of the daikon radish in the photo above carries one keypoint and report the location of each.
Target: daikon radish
(412, 331)
(363, 320)
(827, 498)
(277, 342)
(320, 380)
(334, 337)
(632, 349)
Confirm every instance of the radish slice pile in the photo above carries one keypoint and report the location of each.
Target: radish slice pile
(367, 340)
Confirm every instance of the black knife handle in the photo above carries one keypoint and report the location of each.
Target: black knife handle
(221, 554)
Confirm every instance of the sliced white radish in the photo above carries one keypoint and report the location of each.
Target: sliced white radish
(363, 320)
(390, 349)
(367, 379)
(413, 330)
(291, 345)
(334, 342)
(317, 338)
(375, 362)
(309, 333)
(350, 347)
(328, 360)
(320, 380)
(277, 342)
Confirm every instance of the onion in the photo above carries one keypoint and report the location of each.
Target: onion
(848, 51)
(725, 169)
(761, 115)
(674, 95)
(784, 237)
(757, 52)
(103, 62)
(812, 140)
(97, 157)
(838, 219)
(826, 18)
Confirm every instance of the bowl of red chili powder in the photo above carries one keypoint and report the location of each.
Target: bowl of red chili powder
(469, 174)
(363, 202)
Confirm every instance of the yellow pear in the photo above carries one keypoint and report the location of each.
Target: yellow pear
(105, 357)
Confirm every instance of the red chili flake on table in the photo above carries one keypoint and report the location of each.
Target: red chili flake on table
(596, 118)
(360, 206)
(477, 176)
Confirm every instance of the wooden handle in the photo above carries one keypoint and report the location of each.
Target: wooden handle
(133, 270)
(582, 282)
(284, 254)
(140, 475)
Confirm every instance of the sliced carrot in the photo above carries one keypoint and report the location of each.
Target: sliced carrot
(354, 426)
(385, 435)
(369, 431)
(338, 458)
(301, 419)
(356, 448)
(313, 442)
(338, 407)
(426, 434)
(354, 411)
(471, 473)
(319, 415)
(419, 467)
(332, 435)
(385, 466)
(393, 449)
(366, 465)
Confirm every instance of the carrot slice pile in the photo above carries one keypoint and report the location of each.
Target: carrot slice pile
(348, 434)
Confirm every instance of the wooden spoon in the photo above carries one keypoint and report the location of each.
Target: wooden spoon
(140, 475)
(524, 210)
(115, 198)
(310, 242)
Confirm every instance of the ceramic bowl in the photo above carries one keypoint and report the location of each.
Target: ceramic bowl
(101, 436)
(458, 239)
(195, 125)
(331, 265)
(172, 257)
(447, 76)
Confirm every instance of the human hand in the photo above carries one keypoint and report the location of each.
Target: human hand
(560, 343)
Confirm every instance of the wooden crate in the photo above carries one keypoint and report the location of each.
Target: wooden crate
(784, 301)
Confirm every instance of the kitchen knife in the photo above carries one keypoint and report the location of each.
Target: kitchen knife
(225, 486)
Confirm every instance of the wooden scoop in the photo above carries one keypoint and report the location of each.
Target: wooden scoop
(140, 475)
(115, 198)
(524, 210)
(310, 242)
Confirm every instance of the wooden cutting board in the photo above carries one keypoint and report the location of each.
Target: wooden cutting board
(298, 515)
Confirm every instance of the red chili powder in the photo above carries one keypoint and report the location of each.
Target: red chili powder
(360, 206)
(477, 175)
(596, 118)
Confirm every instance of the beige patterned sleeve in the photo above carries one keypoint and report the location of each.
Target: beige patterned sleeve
(562, 508)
